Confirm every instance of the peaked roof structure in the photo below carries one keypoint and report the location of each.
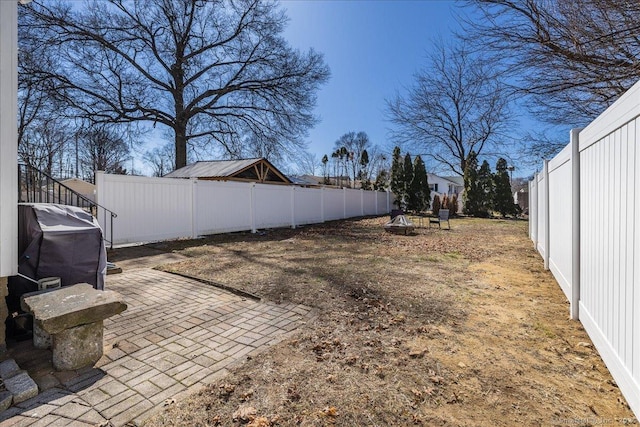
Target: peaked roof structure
(249, 170)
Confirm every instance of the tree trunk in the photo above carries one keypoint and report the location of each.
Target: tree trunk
(181, 144)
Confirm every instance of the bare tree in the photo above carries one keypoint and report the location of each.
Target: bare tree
(355, 144)
(573, 57)
(42, 145)
(307, 163)
(102, 148)
(43, 131)
(161, 159)
(212, 72)
(457, 105)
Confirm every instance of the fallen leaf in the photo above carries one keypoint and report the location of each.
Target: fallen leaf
(246, 396)
(244, 413)
(259, 422)
(416, 354)
(330, 411)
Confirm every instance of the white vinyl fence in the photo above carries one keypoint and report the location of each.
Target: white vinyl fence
(584, 211)
(153, 209)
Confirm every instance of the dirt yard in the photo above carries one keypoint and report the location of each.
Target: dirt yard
(437, 328)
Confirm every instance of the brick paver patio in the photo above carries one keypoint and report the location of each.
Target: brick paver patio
(176, 336)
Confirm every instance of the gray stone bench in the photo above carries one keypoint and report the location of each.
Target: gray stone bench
(73, 316)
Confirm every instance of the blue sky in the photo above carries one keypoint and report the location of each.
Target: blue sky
(373, 49)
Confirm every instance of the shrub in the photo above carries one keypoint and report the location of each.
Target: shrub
(436, 205)
(453, 205)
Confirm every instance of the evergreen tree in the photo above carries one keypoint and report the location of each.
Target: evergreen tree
(503, 199)
(435, 207)
(397, 178)
(420, 193)
(444, 204)
(325, 173)
(453, 205)
(409, 196)
(472, 196)
(365, 183)
(485, 190)
(382, 181)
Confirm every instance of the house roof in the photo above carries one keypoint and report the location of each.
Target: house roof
(256, 170)
(458, 180)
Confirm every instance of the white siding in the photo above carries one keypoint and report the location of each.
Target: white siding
(8, 138)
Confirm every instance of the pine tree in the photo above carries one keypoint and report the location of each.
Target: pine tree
(472, 196)
(435, 207)
(365, 182)
(420, 192)
(382, 181)
(397, 178)
(485, 190)
(503, 199)
(410, 197)
(453, 205)
(444, 204)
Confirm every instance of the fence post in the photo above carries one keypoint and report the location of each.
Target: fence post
(575, 221)
(344, 204)
(377, 202)
(252, 207)
(293, 207)
(361, 202)
(99, 198)
(194, 208)
(388, 206)
(530, 206)
(545, 174)
(321, 204)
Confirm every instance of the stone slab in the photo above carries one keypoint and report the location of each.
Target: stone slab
(78, 347)
(22, 387)
(8, 368)
(5, 400)
(71, 306)
(41, 339)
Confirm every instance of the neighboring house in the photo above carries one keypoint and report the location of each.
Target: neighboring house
(247, 170)
(449, 185)
(521, 198)
(335, 181)
(81, 187)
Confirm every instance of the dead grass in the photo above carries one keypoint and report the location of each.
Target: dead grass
(460, 327)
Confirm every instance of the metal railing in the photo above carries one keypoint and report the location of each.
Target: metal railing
(36, 186)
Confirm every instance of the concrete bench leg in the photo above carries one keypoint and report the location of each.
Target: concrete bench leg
(41, 339)
(78, 347)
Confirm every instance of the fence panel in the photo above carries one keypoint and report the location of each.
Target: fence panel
(222, 207)
(333, 204)
(153, 209)
(533, 210)
(273, 206)
(148, 209)
(610, 243)
(383, 202)
(353, 203)
(369, 203)
(560, 219)
(605, 278)
(541, 216)
(308, 205)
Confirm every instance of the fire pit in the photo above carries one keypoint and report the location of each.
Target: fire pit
(399, 225)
